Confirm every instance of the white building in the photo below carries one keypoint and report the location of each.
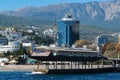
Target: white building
(10, 29)
(48, 32)
(12, 46)
(3, 60)
(119, 38)
(28, 44)
(30, 31)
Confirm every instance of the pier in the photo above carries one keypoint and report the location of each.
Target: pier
(73, 61)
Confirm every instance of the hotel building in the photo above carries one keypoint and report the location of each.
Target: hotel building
(68, 31)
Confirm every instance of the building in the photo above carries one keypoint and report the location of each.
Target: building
(12, 46)
(3, 41)
(10, 29)
(30, 31)
(13, 35)
(28, 44)
(70, 61)
(48, 32)
(2, 32)
(68, 31)
(118, 38)
(101, 40)
(4, 60)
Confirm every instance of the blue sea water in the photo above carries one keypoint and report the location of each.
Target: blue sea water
(12, 75)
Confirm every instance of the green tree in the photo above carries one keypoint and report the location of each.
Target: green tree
(22, 50)
(29, 50)
(7, 54)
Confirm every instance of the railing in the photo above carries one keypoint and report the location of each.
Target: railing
(72, 65)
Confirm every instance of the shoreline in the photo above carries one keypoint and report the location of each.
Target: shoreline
(28, 68)
(33, 67)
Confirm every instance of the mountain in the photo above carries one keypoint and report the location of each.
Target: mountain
(6, 20)
(101, 14)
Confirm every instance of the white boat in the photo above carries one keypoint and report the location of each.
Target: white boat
(34, 72)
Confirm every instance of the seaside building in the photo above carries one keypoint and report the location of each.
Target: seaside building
(12, 46)
(101, 40)
(68, 31)
(65, 61)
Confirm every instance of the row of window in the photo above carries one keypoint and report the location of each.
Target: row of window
(9, 47)
(5, 51)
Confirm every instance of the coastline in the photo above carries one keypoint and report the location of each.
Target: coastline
(18, 68)
(32, 67)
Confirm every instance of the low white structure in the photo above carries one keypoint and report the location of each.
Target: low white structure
(12, 46)
(48, 32)
(30, 31)
(29, 44)
(4, 60)
(10, 29)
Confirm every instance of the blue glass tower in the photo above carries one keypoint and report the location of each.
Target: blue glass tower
(68, 31)
(101, 40)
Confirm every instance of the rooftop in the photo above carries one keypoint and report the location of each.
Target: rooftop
(67, 17)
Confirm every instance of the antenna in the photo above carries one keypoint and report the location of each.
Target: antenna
(55, 31)
(55, 26)
(70, 12)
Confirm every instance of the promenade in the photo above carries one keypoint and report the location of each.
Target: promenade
(32, 67)
(18, 67)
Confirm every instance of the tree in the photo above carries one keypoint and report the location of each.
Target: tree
(80, 43)
(109, 50)
(2, 55)
(108, 46)
(47, 40)
(8, 53)
(22, 50)
(117, 47)
(29, 50)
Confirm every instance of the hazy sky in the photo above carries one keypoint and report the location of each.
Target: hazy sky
(14, 4)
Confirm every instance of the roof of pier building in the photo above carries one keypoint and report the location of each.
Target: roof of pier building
(68, 56)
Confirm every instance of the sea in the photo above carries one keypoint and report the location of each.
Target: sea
(21, 75)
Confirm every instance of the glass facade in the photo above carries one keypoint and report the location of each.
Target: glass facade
(68, 32)
(101, 40)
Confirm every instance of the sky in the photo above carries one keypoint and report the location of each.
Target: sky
(15, 4)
